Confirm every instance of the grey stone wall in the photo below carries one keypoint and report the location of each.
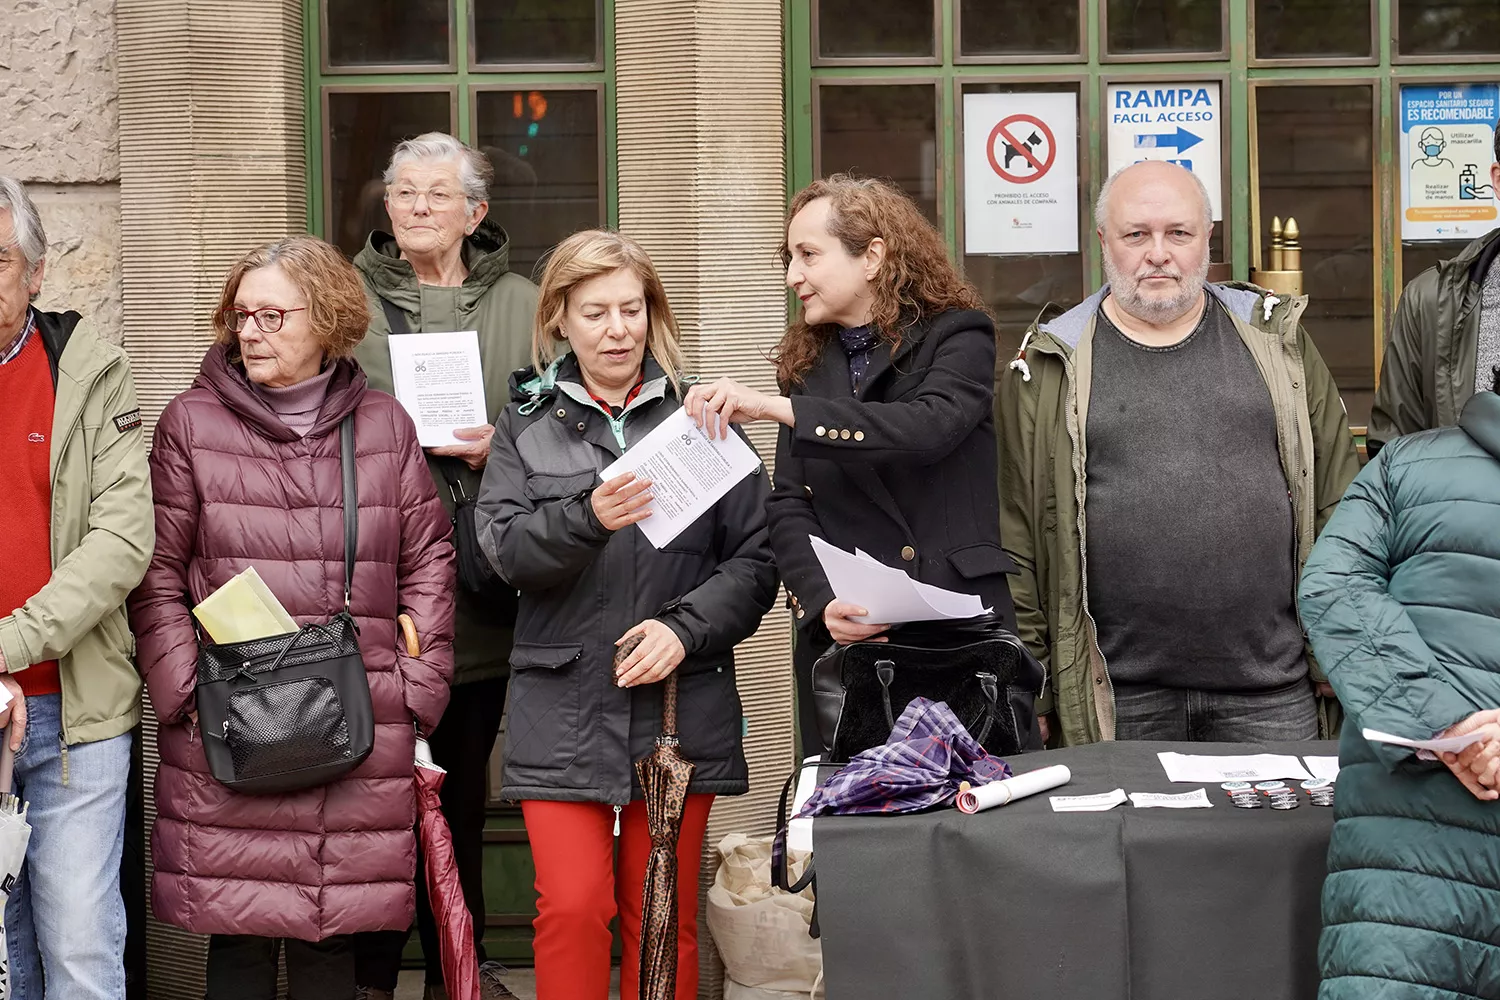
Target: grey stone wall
(59, 136)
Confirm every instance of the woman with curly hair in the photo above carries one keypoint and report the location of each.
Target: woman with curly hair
(887, 441)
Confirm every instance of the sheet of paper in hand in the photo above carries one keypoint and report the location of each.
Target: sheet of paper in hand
(689, 473)
(439, 381)
(1428, 749)
(888, 594)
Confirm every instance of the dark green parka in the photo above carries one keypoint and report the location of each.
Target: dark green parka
(1432, 352)
(501, 306)
(1401, 599)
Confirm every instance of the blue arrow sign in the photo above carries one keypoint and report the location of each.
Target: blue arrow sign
(1182, 141)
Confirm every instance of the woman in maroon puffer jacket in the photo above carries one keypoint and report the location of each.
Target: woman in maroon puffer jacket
(246, 471)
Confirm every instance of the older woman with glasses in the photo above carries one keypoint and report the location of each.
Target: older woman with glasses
(444, 266)
(246, 472)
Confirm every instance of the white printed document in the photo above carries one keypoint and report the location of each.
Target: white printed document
(1103, 802)
(439, 382)
(1427, 749)
(889, 595)
(689, 473)
(1249, 767)
(1322, 767)
(1161, 800)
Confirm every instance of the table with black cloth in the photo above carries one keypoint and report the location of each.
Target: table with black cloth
(1022, 903)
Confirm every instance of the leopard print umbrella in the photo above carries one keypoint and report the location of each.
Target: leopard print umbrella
(664, 775)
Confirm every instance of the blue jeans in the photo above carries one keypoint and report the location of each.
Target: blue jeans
(65, 918)
(1147, 712)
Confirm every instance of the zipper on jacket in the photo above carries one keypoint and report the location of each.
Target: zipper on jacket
(616, 426)
(617, 819)
(1079, 473)
(64, 745)
(52, 481)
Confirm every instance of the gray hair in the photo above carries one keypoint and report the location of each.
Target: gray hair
(1101, 207)
(25, 222)
(474, 170)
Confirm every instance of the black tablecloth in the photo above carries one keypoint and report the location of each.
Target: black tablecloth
(1021, 903)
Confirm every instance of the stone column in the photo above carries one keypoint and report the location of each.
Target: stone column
(212, 162)
(702, 183)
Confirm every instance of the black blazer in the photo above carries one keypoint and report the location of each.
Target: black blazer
(905, 470)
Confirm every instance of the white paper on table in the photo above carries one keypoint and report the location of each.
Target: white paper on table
(799, 831)
(1249, 767)
(1428, 749)
(1160, 800)
(888, 594)
(1322, 767)
(439, 382)
(1103, 802)
(689, 473)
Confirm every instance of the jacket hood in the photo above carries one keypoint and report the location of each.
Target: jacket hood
(227, 380)
(1238, 299)
(486, 253)
(1481, 421)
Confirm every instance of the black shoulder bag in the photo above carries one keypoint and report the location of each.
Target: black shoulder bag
(475, 574)
(983, 671)
(291, 711)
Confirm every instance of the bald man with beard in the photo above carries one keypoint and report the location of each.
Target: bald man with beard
(1169, 450)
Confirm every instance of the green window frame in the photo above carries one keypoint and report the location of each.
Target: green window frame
(1241, 73)
(464, 78)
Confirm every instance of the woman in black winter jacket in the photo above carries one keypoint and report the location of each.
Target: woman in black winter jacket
(888, 435)
(606, 366)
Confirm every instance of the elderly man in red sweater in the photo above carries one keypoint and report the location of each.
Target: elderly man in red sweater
(79, 531)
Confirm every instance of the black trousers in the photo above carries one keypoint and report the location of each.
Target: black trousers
(461, 745)
(243, 967)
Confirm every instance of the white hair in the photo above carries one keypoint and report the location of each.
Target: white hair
(25, 222)
(1101, 207)
(474, 170)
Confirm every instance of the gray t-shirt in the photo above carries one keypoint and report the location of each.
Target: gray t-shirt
(1191, 540)
(1489, 332)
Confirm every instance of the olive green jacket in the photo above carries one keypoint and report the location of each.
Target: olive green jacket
(1042, 412)
(103, 532)
(501, 306)
(1431, 354)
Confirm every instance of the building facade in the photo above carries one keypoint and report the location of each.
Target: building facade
(163, 138)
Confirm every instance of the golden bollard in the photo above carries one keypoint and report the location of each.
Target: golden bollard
(1284, 276)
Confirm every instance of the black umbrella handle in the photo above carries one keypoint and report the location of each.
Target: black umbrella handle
(669, 705)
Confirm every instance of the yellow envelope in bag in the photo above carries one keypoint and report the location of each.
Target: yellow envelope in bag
(243, 609)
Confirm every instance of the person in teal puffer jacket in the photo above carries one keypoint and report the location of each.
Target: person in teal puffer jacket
(1401, 600)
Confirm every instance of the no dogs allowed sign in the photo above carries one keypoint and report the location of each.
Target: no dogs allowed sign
(1021, 173)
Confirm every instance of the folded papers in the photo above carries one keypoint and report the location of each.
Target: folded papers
(243, 609)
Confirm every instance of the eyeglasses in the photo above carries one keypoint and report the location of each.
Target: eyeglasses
(438, 199)
(268, 319)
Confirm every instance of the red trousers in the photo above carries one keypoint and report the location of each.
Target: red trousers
(581, 884)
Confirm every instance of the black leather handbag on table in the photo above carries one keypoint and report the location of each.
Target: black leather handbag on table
(291, 711)
(980, 668)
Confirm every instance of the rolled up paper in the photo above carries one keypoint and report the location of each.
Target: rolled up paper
(999, 793)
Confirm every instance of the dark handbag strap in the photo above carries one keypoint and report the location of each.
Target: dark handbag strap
(780, 867)
(351, 504)
(394, 318)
